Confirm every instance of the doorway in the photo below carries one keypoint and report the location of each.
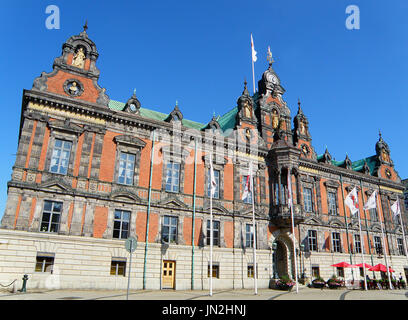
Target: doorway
(168, 274)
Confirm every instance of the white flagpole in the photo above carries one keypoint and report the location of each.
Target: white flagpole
(253, 228)
(211, 228)
(385, 251)
(362, 246)
(293, 228)
(402, 227)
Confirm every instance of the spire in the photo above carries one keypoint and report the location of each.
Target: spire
(245, 92)
(85, 26)
(299, 108)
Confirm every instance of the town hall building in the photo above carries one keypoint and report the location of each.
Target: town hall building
(91, 172)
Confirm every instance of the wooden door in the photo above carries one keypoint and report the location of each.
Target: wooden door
(169, 274)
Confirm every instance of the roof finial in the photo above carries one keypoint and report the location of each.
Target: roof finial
(85, 26)
(176, 103)
(269, 57)
(379, 133)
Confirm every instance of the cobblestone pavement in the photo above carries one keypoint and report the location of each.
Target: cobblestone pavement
(242, 294)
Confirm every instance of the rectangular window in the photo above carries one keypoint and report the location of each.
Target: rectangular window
(216, 232)
(169, 229)
(340, 272)
(331, 199)
(373, 214)
(121, 224)
(248, 199)
(215, 270)
(250, 271)
(378, 245)
(217, 187)
(307, 199)
(401, 249)
(249, 236)
(172, 176)
(44, 262)
(126, 168)
(336, 242)
(118, 267)
(312, 240)
(357, 243)
(315, 271)
(60, 156)
(51, 216)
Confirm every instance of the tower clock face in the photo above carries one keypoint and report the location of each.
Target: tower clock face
(272, 78)
(132, 107)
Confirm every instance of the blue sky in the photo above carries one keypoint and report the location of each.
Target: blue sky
(351, 82)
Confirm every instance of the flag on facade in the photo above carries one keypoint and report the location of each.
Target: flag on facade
(254, 58)
(371, 202)
(248, 183)
(396, 208)
(289, 192)
(213, 182)
(352, 201)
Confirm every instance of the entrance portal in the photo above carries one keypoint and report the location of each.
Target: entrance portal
(169, 274)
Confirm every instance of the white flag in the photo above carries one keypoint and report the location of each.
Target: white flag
(371, 202)
(289, 191)
(248, 183)
(396, 208)
(352, 201)
(254, 58)
(213, 182)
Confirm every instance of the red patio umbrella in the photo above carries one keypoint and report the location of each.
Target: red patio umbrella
(342, 265)
(361, 265)
(380, 267)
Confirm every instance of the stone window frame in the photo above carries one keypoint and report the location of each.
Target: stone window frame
(219, 165)
(316, 240)
(119, 260)
(175, 155)
(378, 245)
(130, 146)
(242, 172)
(340, 248)
(42, 215)
(400, 246)
(250, 274)
(311, 199)
(336, 202)
(178, 228)
(121, 219)
(207, 231)
(65, 136)
(216, 269)
(355, 243)
(46, 256)
(246, 233)
(221, 242)
(309, 182)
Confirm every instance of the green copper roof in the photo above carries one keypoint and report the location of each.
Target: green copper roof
(356, 165)
(155, 115)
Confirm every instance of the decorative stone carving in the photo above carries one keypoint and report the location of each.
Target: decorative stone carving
(79, 58)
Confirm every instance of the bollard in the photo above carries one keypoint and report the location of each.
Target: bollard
(23, 288)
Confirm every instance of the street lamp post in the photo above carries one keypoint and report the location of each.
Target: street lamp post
(302, 252)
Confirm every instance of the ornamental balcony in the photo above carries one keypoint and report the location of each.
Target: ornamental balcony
(281, 215)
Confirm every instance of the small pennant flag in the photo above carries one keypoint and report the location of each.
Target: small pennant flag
(396, 208)
(371, 202)
(248, 183)
(254, 58)
(352, 201)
